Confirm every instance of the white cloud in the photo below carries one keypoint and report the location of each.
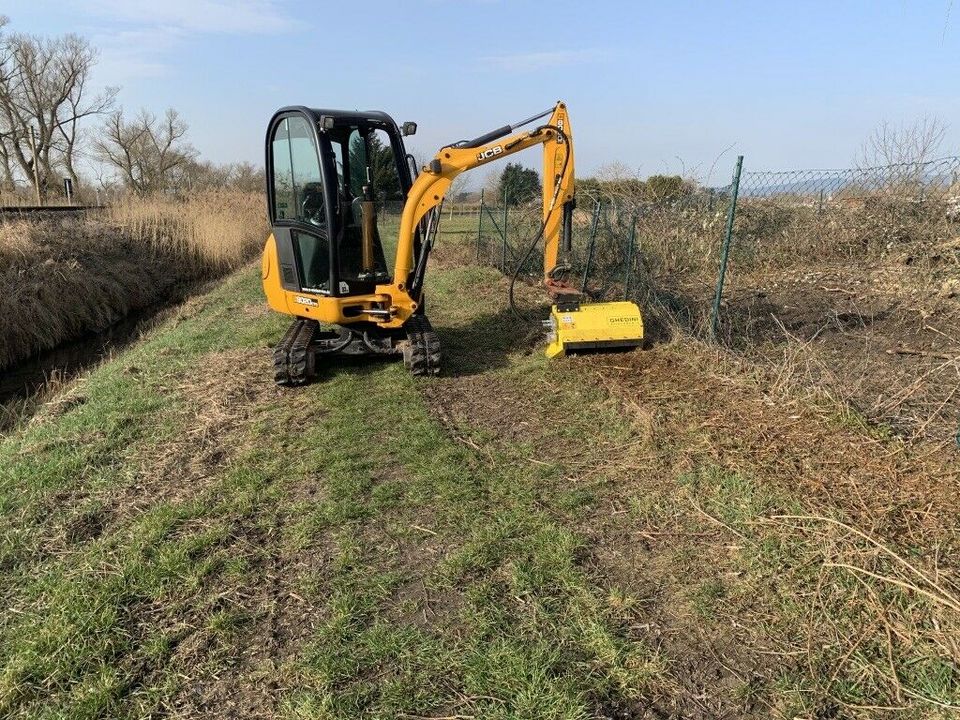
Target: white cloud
(200, 16)
(131, 54)
(540, 60)
(136, 37)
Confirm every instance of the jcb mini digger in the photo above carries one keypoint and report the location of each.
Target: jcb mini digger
(325, 262)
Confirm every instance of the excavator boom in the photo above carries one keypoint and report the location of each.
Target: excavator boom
(573, 325)
(558, 172)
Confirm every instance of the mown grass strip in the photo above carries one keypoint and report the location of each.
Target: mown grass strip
(499, 620)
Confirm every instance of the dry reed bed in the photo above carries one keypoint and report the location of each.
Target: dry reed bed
(63, 277)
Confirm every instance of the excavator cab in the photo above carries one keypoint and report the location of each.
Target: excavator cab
(332, 179)
(326, 170)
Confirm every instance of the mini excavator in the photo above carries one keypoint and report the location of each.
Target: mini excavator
(325, 261)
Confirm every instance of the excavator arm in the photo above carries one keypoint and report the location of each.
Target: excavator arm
(558, 193)
(572, 326)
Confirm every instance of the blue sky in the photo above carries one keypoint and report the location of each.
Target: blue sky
(657, 86)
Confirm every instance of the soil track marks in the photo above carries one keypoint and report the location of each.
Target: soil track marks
(641, 501)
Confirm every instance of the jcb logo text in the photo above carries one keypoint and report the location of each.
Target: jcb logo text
(491, 152)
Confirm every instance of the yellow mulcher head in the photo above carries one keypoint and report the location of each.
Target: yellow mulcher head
(593, 326)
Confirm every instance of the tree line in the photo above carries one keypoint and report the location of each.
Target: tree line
(53, 123)
(519, 185)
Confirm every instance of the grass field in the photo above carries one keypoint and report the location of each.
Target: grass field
(651, 535)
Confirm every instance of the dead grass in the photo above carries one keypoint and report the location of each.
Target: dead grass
(866, 568)
(217, 231)
(874, 341)
(856, 302)
(62, 277)
(782, 559)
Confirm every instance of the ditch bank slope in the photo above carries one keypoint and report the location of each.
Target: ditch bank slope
(79, 275)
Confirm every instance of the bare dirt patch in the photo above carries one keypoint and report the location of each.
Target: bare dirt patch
(707, 412)
(245, 673)
(222, 396)
(495, 406)
(218, 405)
(885, 340)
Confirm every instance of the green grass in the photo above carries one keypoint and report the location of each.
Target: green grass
(373, 546)
(97, 624)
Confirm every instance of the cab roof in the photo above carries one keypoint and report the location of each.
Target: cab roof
(376, 116)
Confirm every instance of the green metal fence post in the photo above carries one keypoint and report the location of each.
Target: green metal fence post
(628, 270)
(503, 264)
(725, 251)
(479, 225)
(820, 204)
(593, 242)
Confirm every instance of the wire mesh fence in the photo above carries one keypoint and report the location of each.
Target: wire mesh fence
(926, 181)
(624, 245)
(858, 213)
(660, 245)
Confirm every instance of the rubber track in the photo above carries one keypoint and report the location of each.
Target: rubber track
(291, 356)
(424, 346)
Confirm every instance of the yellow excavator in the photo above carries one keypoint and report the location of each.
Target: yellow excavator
(325, 260)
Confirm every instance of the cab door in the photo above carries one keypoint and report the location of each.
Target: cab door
(299, 204)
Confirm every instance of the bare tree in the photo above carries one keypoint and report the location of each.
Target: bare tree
(491, 184)
(149, 153)
(904, 144)
(44, 96)
(902, 151)
(7, 181)
(205, 175)
(616, 172)
(619, 184)
(248, 177)
(457, 188)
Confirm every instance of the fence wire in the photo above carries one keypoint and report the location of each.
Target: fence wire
(660, 246)
(935, 180)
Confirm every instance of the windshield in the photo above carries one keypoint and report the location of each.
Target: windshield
(365, 157)
(360, 160)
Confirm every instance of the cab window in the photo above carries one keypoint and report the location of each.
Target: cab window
(297, 185)
(390, 196)
(313, 257)
(364, 156)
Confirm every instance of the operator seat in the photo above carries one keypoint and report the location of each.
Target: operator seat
(312, 208)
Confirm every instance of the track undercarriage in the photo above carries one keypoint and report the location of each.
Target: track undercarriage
(296, 356)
